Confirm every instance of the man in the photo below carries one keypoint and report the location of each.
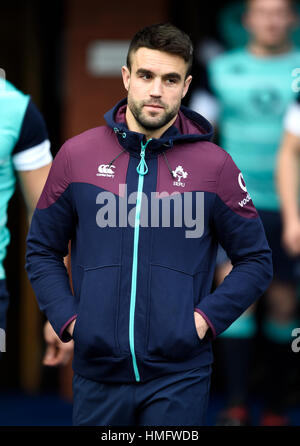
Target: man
(251, 87)
(25, 150)
(142, 315)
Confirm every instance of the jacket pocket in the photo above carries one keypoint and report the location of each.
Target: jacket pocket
(171, 326)
(95, 331)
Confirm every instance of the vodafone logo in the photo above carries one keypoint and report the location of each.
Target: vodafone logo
(242, 182)
(242, 185)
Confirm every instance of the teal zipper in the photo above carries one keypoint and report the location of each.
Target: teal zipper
(142, 169)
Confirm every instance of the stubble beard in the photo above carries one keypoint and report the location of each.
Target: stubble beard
(146, 123)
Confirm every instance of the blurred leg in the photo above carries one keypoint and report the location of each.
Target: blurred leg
(236, 348)
(4, 301)
(281, 319)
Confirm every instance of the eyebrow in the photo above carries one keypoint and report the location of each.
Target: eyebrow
(173, 75)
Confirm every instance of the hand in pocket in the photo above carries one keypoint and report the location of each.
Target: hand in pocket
(201, 325)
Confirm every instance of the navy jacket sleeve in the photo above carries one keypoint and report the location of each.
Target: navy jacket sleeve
(239, 230)
(51, 229)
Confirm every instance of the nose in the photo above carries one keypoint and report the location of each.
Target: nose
(156, 88)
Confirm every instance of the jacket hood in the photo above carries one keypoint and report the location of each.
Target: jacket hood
(188, 127)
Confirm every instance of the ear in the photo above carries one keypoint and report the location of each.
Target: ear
(186, 85)
(126, 77)
(295, 21)
(246, 21)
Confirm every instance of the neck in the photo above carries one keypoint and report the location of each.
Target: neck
(135, 126)
(261, 50)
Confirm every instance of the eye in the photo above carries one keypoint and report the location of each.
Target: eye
(171, 81)
(145, 76)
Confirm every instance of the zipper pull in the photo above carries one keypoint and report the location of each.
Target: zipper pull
(142, 168)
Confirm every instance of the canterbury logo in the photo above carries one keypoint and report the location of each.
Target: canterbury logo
(105, 170)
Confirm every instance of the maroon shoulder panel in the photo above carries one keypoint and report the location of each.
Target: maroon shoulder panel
(92, 156)
(233, 191)
(195, 168)
(86, 158)
(206, 167)
(58, 180)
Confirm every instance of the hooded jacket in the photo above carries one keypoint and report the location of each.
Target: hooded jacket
(144, 219)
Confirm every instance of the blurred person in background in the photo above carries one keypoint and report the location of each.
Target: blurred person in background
(288, 179)
(25, 153)
(249, 92)
(288, 164)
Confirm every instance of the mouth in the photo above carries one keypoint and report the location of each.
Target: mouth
(154, 106)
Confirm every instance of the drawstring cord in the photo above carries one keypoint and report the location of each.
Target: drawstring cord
(170, 144)
(170, 170)
(116, 157)
(123, 134)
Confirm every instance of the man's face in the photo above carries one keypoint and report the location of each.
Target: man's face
(269, 21)
(156, 85)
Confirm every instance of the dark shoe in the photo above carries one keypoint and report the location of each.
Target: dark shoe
(274, 419)
(234, 416)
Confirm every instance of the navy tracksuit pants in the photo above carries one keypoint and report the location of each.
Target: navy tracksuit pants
(176, 399)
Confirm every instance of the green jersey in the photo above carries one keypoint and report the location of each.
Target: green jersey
(254, 94)
(24, 145)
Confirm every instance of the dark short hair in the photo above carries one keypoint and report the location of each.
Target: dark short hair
(163, 37)
(291, 3)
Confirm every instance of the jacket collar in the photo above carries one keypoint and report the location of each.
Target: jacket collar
(188, 127)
